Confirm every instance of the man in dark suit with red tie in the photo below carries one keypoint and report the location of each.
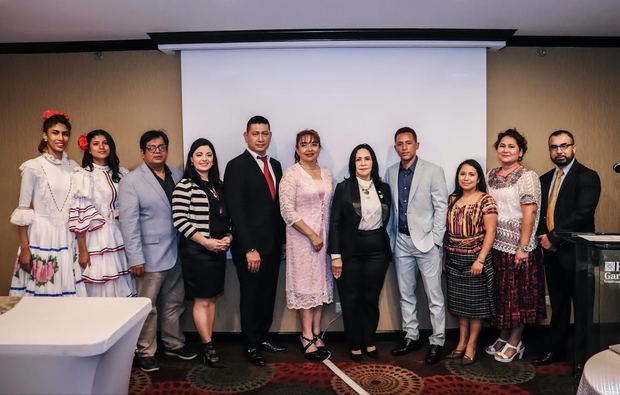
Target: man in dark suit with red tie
(570, 194)
(251, 182)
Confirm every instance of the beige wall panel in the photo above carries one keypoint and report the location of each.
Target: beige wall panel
(127, 93)
(576, 89)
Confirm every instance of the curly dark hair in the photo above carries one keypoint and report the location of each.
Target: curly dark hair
(519, 138)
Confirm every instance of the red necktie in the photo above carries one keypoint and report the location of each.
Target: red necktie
(268, 178)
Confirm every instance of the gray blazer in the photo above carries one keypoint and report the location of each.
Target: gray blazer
(427, 207)
(145, 216)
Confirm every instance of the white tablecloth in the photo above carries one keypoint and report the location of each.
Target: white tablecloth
(601, 375)
(69, 345)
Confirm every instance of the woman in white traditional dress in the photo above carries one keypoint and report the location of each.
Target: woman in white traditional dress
(94, 218)
(45, 264)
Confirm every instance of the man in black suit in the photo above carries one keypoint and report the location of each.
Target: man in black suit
(570, 194)
(251, 183)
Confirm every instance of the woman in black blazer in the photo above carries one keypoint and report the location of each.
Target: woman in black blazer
(360, 248)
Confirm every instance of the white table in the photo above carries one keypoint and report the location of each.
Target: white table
(601, 374)
(70, 345)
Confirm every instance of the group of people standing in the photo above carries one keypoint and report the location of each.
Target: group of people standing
(169, 231)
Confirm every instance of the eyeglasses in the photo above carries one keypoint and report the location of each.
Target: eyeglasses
(561, 147)
(154, 148)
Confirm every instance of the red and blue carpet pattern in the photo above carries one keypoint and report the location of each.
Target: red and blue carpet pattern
(288, 373)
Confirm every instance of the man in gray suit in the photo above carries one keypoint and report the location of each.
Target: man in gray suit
(417, 227)
(145, 197)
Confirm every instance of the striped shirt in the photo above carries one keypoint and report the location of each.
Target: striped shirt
(190, 209)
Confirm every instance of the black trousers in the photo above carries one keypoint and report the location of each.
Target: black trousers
(566, 288)
(257, 293)
(360, 285)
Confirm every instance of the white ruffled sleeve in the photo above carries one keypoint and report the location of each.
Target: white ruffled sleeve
(23, 215)
(288, 191)
(83, 214)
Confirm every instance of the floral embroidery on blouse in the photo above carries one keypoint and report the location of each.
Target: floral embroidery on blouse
(520, 187)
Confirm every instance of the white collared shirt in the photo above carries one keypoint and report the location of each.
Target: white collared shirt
(371, 206)
(260, 164)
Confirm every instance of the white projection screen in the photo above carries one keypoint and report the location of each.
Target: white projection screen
(349, 95)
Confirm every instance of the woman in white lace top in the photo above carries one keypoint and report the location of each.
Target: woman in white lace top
(45, 264)
(520, 279)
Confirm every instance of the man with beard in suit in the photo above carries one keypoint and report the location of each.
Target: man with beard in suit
(570, 194)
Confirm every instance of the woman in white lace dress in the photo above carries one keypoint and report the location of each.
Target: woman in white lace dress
(94, 218)
(45, 264)
(305, 196)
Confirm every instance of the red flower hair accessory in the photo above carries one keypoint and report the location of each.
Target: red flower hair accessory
(50, 113)
(83, 142)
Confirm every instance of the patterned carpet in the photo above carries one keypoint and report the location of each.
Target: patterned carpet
(289, 373)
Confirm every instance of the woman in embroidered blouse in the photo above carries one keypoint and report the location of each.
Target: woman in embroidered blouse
(360, 248)
(305, 195)
(520, 279)
(472, 218)
(45, 264)
(199, 214)
(94, 218)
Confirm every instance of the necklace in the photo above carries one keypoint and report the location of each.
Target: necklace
(49, 187)
(366, 191)
(315, 167)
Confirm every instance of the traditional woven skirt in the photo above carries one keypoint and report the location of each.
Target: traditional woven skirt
(469, 296)
(520, 290)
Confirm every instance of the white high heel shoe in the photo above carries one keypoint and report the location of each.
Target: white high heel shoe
(502, 357)
(491, 350)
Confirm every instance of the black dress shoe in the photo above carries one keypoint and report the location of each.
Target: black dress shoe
(408, 345)
(253, 355)
(355, 357)
(548, 359)
(270, 347)
(374, 354)
(434, 354)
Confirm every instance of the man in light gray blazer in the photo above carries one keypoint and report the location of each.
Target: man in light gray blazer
(151, 246)
(417, 227)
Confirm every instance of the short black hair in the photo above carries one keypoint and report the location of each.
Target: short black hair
(152, 135)
(255, 120)
(406, 129)
(519, 138)
(560, 132)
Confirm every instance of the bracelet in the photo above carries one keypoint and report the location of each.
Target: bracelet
(521, 248)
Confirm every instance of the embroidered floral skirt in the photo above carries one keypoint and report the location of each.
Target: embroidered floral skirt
(54, 271)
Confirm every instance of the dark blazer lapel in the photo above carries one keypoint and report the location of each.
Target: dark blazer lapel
(149, 178)
(254, 168)
(356, 202)
(384, 198)
(570, 178)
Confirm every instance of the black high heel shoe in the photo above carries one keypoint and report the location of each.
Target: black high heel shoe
(210, 357)
(323, 348)
(314, 356)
